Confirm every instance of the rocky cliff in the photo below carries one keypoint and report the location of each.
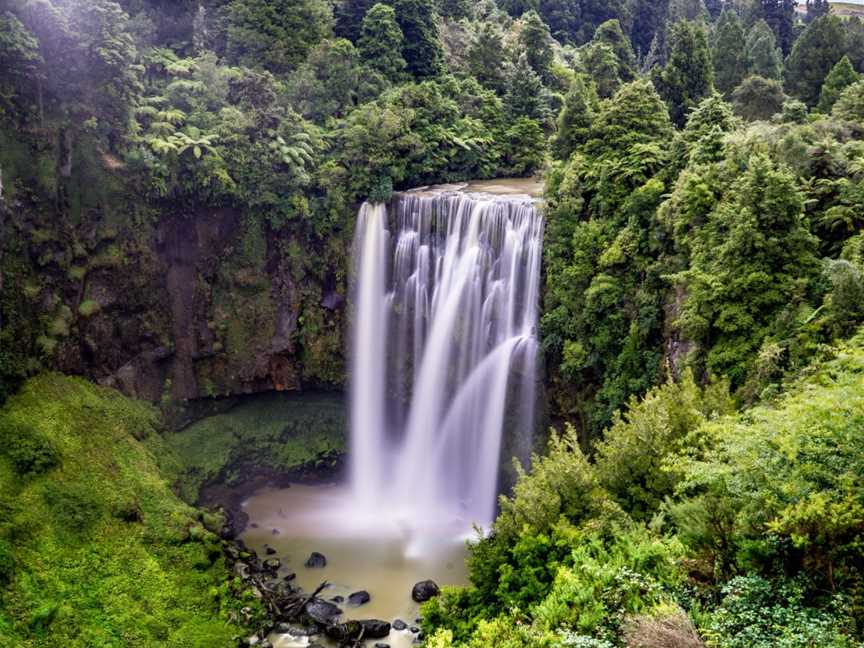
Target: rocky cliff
(163, 300)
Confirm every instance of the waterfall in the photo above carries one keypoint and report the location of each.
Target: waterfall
(443, 352)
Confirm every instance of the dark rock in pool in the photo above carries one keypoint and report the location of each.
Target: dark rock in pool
(338, 599)
(322, 612)
(424, 590)
(380, 645)
(272, 564)
(375, 628)
(359, 598)
(344, 632)
(290, 577)
(414, 629)
(399, 624)
(275, 532)
(270, 551)
(253, 525)
(317, 560)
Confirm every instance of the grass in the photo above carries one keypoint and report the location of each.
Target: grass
(95, 548)
(277, 430)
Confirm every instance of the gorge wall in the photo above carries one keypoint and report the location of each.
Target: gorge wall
(158, 300)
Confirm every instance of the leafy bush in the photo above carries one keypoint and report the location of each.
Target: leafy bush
(31, 452)
(758, 613)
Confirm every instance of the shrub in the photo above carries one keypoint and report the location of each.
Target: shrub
(31, 453)
(759, 613)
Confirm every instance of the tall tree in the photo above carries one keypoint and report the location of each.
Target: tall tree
(422, 51)
(686, 10)
(601, 64)
(763, 56)
(816, 51)
(730, 59)
(485, 54)
(855, 42)
(817, 9)
(537, 41)
(688, 76)
(842, 75)
(574, 122)
(526, 95)
(780, 16)
(748, 261)
(349, 16)
(610, 33)
(381, 41)
(275, 34)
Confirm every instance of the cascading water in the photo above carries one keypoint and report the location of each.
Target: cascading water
(443, 354)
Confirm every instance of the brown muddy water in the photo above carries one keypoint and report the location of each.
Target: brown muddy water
(371, 555)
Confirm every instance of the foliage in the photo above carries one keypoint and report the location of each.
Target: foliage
(77, 566)
(763, 54)
(841, 76)
(688, 75)
(815, 53)
(275, 35)
(630, 458)
(381, 41)
(730, 60)
(422, 49)
(758, 98)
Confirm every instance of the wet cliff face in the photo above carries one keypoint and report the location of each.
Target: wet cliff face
(160, 301)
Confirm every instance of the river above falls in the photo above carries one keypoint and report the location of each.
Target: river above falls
(377, 556)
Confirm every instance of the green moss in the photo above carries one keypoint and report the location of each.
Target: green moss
(95, 549)
(89, 307)
(281, 431)
(77, 273)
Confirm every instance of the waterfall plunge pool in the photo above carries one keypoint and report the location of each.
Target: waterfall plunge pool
(377, 555)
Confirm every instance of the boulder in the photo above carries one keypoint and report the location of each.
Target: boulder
(317, 560)
(425, 590)
(322, 612)
(344, 632)
(399, 624)
(375, 629)
(272, 564)
(359, 598)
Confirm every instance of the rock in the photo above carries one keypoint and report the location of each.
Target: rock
(424, 590)
(241, 569)
(253, 525)
(344, 632)
(375, 628)
(359, 598)
(399, 624)
(322, 612)
(338, 599)
(290, 577)
(317, 560)
(382, 645)
(414, 629)
(270, 551)
(275, 532)
(272, 564)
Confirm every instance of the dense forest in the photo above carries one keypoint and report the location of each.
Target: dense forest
(178, 187)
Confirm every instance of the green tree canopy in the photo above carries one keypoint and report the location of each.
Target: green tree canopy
(422, 50)
(816, 52)
(275, 34)
(381, 42)
(537, 43)
(758, 98)
(764, 58)
(841, 76)
(688, 76)
(730, 58)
